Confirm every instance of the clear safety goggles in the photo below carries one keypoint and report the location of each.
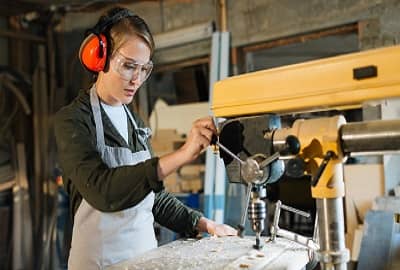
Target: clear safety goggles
(130, 69)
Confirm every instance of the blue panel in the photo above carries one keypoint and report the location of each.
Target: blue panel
(219, 201)
(208, 206)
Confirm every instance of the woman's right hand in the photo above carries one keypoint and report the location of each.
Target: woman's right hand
(197, 141)
(198, 138)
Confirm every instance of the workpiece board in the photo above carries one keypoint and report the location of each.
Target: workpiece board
(220, 253)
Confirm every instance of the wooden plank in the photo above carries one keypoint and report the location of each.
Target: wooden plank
(220, 253)
(376, 245)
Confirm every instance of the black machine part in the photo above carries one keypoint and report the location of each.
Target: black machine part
(244, 138)
(245, 141)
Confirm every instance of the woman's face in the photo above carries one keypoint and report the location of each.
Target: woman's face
(129, 67)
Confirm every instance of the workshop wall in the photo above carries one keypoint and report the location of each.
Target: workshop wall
(255, 21)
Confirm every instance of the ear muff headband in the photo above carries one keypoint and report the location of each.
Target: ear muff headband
(93, 50)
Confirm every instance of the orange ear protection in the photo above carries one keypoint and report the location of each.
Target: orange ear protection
(93, 50)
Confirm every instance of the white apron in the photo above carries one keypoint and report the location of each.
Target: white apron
(101, 239)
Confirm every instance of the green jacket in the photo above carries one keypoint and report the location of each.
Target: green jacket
(87, 176)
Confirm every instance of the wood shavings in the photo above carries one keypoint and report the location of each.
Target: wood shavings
(260, 255)
(191, 239)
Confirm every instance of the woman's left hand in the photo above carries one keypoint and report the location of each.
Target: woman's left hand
(211, 227)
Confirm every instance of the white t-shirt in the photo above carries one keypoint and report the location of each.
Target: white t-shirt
(118, 117)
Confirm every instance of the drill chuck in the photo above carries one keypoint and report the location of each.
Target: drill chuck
(257, 213)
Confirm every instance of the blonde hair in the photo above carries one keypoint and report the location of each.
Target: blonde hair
(130, 26)
(116, 24)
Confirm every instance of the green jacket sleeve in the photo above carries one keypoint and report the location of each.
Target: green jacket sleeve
(106, 189)
(169, 212)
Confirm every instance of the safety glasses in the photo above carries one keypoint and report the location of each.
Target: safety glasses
(130, 69)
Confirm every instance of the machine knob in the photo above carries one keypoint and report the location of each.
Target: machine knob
(292, 146)
(286, 146)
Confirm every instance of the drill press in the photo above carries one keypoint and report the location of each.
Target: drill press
(339, 82)
(255, 171)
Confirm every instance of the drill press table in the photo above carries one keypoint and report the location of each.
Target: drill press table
(220, 253)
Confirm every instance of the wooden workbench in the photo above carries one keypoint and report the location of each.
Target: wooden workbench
(220, 253)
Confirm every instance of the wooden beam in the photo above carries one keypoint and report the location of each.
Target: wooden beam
(302, 38)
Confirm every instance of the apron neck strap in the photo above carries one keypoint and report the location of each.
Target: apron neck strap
(142, 133)
(94, 102)
(131, 117)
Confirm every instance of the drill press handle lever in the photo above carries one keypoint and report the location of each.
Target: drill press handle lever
(252, 169)
(329, 155)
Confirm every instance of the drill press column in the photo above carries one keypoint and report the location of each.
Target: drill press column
(320, 149)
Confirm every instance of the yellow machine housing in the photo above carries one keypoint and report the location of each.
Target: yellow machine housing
(345, 80)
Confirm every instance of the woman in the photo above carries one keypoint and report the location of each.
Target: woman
(114, 182)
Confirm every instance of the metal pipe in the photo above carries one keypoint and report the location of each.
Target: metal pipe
(370, 138)
(223, 20)
(296, 211)
(333, 254)
(302, 240)
(22, 36)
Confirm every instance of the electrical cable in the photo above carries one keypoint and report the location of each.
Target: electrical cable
(6, 80)
(7, 122)
(2, 101)
(17, 77)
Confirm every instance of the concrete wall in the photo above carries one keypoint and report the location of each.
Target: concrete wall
(254, 21)
(257, 21)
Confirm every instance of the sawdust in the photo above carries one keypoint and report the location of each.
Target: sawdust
(260, 255)
(207, 254)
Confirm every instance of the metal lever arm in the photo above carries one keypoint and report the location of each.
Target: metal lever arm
(215, 142)
(276, 231)
(329, 155)
(242, 224)
(251, 169)
(269, 160)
